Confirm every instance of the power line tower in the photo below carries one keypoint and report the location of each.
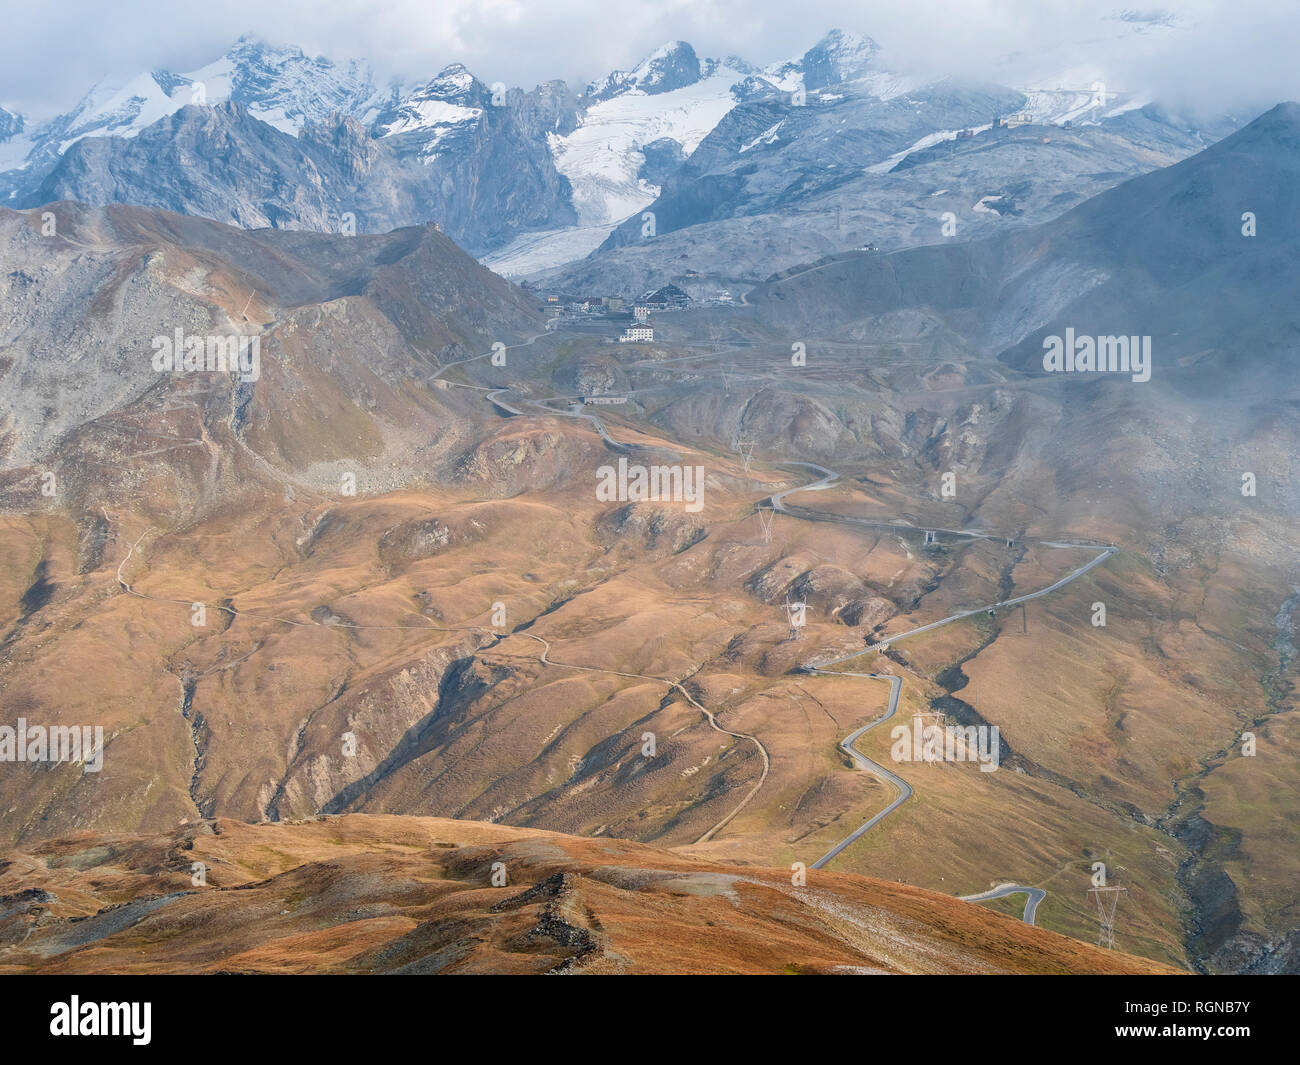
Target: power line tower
(1107, 900)
(795, 612)
(746, 450)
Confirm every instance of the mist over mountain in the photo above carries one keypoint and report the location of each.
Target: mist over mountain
(1199, 254)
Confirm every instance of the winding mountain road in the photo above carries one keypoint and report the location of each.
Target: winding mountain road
(475, 358)
(1033, 896)
(901, 786)
(826, 478)
(777, 502)
(902, 790)
(883, 644)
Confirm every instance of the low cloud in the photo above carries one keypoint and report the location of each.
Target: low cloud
(1202, 54)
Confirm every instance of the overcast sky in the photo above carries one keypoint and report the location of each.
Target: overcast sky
(1214, 53)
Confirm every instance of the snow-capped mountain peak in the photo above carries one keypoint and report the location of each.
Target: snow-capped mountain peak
(837, 58)
(10, 124)
(670, 66)
(453, 80)
(542, 176)
(447, 105)
(285, 87)
(280, 85)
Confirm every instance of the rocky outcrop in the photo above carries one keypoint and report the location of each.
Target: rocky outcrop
(652, 526)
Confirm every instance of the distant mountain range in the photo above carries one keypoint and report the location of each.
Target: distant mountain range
(783, 163)
(1198, 254)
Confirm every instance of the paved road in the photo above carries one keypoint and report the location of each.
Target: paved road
(491, 397)
(903, 790)
(829, 477)
(883, 526)
(474, 358)
(826, 479)
(1033, 896)
(777, 503)
(576, 411)
(902, 787)
(1105, 554)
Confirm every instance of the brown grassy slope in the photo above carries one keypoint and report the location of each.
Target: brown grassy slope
(362, 893)
(447, 724)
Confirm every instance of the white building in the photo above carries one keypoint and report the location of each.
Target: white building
(640, 312)
(635, 333)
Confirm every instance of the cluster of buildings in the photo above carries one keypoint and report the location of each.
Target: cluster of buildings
(1020, 118)
(668, 298)
(580, 311)
(586, 305)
